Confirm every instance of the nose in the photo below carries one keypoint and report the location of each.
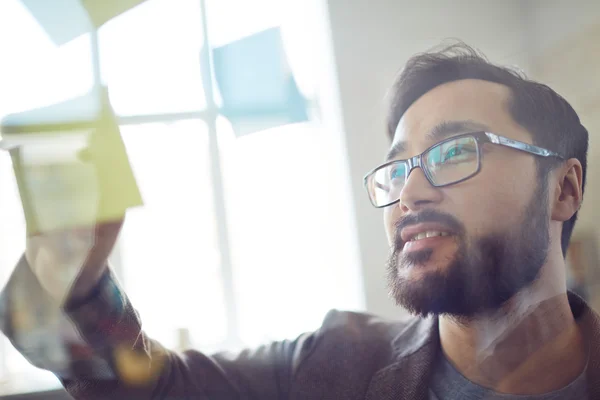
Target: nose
(418, 193)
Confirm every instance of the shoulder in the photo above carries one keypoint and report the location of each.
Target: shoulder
(362, 332)
(353, 344)
(364, 324)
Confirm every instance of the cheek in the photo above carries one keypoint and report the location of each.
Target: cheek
(493, 207)
(389, 216)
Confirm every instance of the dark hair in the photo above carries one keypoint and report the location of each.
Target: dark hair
(545, 114)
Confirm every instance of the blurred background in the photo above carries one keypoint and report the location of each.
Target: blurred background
(255, 222)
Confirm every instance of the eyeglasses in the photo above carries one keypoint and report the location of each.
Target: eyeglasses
(445, 163)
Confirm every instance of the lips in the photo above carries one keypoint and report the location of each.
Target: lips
(428, 234)
(421, 231)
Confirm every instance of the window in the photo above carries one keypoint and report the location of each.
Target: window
(169, 248)
(33, 73)
(283, 202)
(154, 68)
(252, 234)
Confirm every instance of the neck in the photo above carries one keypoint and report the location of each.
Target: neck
(530, 346)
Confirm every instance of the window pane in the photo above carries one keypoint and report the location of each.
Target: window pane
(150, 58)
(169, 246)
(254, 16)
(17, 375)
(250, 17)
(289, 235)
(35, 72)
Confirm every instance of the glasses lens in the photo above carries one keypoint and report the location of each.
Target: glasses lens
(386, 183)
(452, 160)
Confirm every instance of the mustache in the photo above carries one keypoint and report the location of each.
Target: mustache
(431, 216)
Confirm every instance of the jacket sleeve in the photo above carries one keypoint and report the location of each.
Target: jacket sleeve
(99, 351)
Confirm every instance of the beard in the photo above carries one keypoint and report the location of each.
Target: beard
(484, 273)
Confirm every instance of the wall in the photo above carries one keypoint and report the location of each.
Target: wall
(372, 39)
(567, 42)
(566, 38)
(552, 22)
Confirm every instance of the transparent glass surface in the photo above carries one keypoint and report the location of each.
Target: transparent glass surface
(250, 17)
(35, 73)
(290, 254)
(169, 248)
(150, 58)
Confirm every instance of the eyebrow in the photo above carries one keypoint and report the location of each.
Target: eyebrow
(440, 132)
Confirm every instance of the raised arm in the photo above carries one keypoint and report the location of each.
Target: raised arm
(99, 351)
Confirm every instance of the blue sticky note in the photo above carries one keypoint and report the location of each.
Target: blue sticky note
(256, 83)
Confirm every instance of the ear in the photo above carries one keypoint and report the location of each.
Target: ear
(569, 190)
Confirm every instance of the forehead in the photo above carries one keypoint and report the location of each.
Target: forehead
(480, 102)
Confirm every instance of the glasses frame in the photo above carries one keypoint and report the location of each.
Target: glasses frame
(480, 137)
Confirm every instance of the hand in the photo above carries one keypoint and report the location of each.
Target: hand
(69, 263)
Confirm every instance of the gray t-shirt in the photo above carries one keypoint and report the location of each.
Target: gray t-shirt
(449, 384)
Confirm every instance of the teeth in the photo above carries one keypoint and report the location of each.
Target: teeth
(428, 234)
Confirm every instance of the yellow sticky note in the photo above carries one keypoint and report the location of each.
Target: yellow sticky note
(73, 174)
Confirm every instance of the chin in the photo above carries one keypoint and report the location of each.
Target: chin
(414, 274)
(424, 285)
(423, 261)
(418, 296)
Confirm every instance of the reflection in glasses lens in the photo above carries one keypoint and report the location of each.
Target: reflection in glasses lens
(448, 162)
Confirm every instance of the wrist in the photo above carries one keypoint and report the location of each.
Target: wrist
(83, 293)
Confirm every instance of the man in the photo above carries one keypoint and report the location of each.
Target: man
(480, 192)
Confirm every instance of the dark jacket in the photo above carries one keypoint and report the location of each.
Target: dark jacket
(351, 356)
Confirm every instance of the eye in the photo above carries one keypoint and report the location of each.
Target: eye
(397, 172)
(459, 153)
